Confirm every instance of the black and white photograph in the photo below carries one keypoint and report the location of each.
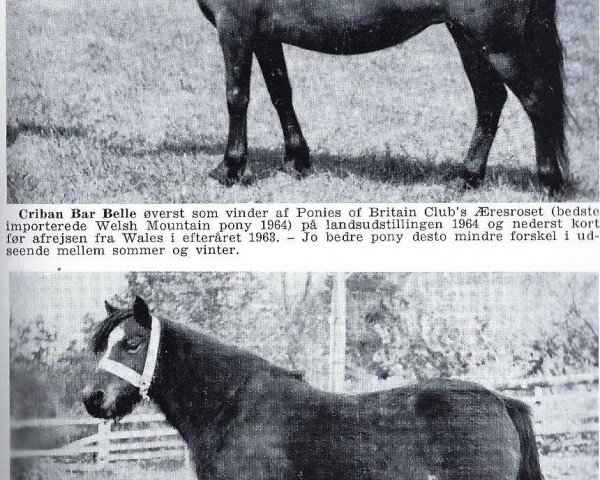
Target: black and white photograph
(164, 375)
(175, 170)
(229, 101)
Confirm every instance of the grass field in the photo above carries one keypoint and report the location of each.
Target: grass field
(555, 467)
(116, 101)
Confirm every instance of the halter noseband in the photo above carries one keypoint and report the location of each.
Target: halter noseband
(128, 374)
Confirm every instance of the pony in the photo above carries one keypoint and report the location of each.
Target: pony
(245, 418)
(502, 43)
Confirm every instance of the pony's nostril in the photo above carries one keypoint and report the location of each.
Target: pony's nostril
(95, 399)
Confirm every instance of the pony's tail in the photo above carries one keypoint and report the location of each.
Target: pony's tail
(529, 468)
(541, 34)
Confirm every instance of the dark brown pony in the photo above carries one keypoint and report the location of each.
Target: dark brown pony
(244, 418)
(512, 43)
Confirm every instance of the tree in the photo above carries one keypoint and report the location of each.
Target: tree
(258, 312)
(45, 382)
(570, 341)
(410, 339)
(31, 345)
(422, 325)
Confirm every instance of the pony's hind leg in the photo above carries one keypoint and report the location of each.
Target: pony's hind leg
(531, 65)
(490, 96)
(236, 42)
(272, 63)
(524, 75)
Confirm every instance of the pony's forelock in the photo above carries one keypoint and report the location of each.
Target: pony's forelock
(99, 338)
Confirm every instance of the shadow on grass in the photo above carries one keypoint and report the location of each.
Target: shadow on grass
(13, 132)
(44, 131)
(264, 163)
(391, 169)
(377, 167)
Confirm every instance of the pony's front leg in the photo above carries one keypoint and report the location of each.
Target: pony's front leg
(236, 42)
(272, 62)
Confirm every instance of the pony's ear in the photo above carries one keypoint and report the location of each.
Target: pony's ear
(109, 308)
(141, 312)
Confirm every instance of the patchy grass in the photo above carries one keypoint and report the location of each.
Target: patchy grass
(124, 102)
(132, 469)
(575, 467)
(558, 466)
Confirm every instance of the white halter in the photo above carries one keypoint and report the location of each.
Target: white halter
(128, 374)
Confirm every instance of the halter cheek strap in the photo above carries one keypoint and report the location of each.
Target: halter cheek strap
(128, 374)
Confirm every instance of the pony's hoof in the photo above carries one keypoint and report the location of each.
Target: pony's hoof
(296, 171)
(304, 172)
(288, 168)
(554, 185)
(227, 177)
(555, 191)
(471, 181)
(219, 173)
(247, 177)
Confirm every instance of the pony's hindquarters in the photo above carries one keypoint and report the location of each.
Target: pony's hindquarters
(529, 468)
(467, 433)
(519, 40)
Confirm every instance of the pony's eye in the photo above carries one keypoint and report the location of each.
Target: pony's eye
(132, 345)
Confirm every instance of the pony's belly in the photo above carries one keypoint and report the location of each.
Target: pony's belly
(353, 30)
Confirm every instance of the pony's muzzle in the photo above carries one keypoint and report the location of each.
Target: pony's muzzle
(94, 401)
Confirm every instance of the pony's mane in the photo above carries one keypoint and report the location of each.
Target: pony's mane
(210, 343)
(103, 329)
(192, 332)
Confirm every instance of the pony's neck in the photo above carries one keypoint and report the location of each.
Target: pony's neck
(198, 379)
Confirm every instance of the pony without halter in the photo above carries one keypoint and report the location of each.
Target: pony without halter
(143, 380)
